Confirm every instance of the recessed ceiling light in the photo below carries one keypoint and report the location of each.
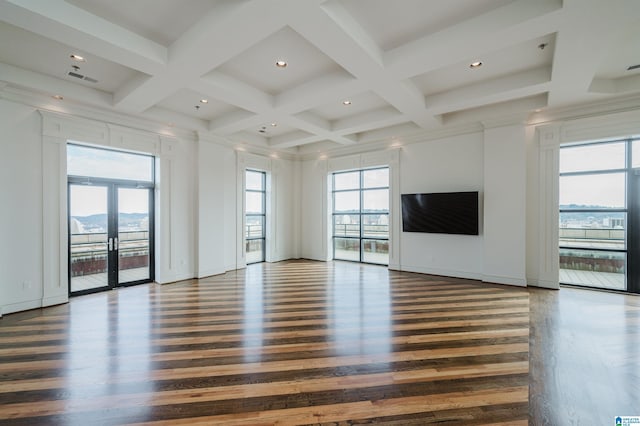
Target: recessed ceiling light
(476, 64)
(77, 58)
(204, 101)
(347, 102)
(58, 97)
(274, 124)
(281, 64)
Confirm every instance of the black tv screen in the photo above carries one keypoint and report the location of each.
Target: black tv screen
(441, 213)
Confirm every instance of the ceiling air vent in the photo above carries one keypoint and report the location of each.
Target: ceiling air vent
(82, 77)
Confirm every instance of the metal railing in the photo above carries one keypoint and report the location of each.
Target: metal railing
(92, 245)
(368, 231)
(607, 234)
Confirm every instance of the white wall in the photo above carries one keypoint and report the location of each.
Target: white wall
(313, 208)
(505, 205)
(284, 211)
(200, 197)
(21, 285)
(33, 260)
(212, 221)
(444, 165)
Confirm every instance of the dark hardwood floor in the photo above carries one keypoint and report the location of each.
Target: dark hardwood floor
(585, 357)
(303, 342)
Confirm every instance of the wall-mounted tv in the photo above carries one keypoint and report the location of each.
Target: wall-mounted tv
(441, 213)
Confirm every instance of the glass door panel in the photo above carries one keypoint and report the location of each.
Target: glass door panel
(132, 243)
(88, 237)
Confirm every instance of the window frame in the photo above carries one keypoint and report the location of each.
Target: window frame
(631, 230)
(361, 213)
(263, 214)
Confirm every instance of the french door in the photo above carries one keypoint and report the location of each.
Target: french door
(110, 235)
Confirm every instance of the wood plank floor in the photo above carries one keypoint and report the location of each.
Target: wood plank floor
(296, 342)
(584, 357)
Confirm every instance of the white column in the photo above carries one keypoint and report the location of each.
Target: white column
(548, 208)
(54, 221)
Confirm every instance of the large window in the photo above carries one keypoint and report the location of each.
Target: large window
(361, 216)
(255, 216)
(598, 190)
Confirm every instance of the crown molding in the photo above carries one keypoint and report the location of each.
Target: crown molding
(155, 123)
(208, 137)
(71, 108)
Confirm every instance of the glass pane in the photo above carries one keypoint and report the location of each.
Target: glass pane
(375, 251)
(255, 180)
(254, 202)
(377, 178)
(255, 251)
(254, 227)
(346, 249)
(593, 268)
(133, 234)
(88, 236)
(349, 180)
(103, 163)
(593, 230)
(346, 225)
(346, 201)
(635, 154)
(592, 191)
(375, 200)
(592, 157)
(375, 225)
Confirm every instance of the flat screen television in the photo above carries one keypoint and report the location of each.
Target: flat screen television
(441, 213)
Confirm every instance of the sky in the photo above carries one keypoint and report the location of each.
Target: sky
(87, 200)
(605, 190)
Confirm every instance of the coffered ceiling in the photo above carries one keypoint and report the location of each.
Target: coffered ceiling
(356, 71)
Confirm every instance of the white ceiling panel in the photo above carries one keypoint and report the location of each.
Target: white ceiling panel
(36, 53)
(403, 65)
(185, 102)
(394, 23)
(257, 65)
(360, 103)
(162, 21)
(511, 60)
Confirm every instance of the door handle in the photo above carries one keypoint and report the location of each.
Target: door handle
(110, 244)
(115, 245)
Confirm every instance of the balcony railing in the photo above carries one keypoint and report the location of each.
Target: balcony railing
(89, 252)
(368, 231)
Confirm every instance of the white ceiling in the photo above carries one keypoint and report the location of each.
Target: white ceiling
(403, 64)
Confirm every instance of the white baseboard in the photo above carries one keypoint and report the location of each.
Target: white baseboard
(442, 272)
(496, 279)
(167, 279)
(210, 272)
(552, 285)
(55, 300)
(21, 306)
(394, 267)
